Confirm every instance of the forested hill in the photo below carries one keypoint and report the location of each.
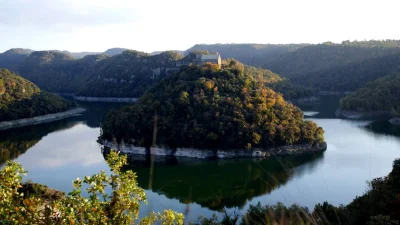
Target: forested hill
(211, 108)
(324, 57)
(20, 98)
(382, 94)
(123, 75)
(12, 58)
(298, 59)
(250, 54)
(53, 71)
(129, 74)
(307, 68)
(351, 76)
(328, 66)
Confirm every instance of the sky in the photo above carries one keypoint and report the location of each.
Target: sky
(155, 25)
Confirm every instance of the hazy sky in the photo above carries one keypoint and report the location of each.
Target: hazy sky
(150, 25)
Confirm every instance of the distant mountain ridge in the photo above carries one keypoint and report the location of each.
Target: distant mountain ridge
(77, 55)
(328, 66)
(177, 51)
(124, 75)
(249, 54)
(118, 72)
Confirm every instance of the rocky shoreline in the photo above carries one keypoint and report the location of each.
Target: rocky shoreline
(104, 99)
(218, 154)
(40, 119)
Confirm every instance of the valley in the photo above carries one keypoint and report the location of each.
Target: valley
(215, 128)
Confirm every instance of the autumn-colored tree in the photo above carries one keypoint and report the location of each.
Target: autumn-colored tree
(242, 113)
(121, 206)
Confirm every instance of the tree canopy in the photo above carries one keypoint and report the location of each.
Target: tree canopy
(36, 204)
(382, 94)
(346, 66)
(205, 107)
(20, 98)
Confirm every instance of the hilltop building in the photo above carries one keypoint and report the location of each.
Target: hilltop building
(200, 59)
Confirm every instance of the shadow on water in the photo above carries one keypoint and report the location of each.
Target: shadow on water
(16, 142)
(96, 111)
(218, 184)
(326, 107)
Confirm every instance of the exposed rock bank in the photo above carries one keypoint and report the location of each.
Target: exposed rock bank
(220, 154)
(40, 119)
(358, 115)
(104, 99)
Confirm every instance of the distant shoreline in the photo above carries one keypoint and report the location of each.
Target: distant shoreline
(97, 99)
(40, 119)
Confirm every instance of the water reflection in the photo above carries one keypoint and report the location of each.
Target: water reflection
(326, 107)
(16, 142)
(218, 184)
(96, 111)
(56, 153)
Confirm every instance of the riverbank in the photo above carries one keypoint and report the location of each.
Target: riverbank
(97, 99)
(40, 119)
(218, 154)
(359, 115)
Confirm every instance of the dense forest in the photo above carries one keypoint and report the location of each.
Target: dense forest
(382, 94)
(250, 54)
(58, 72)
(129, 74)
(328, 66)
(326, 56)
(298, 59)
(204, 107)
(124, 75)
(351, 76)
(20, 98)
(12, 58)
